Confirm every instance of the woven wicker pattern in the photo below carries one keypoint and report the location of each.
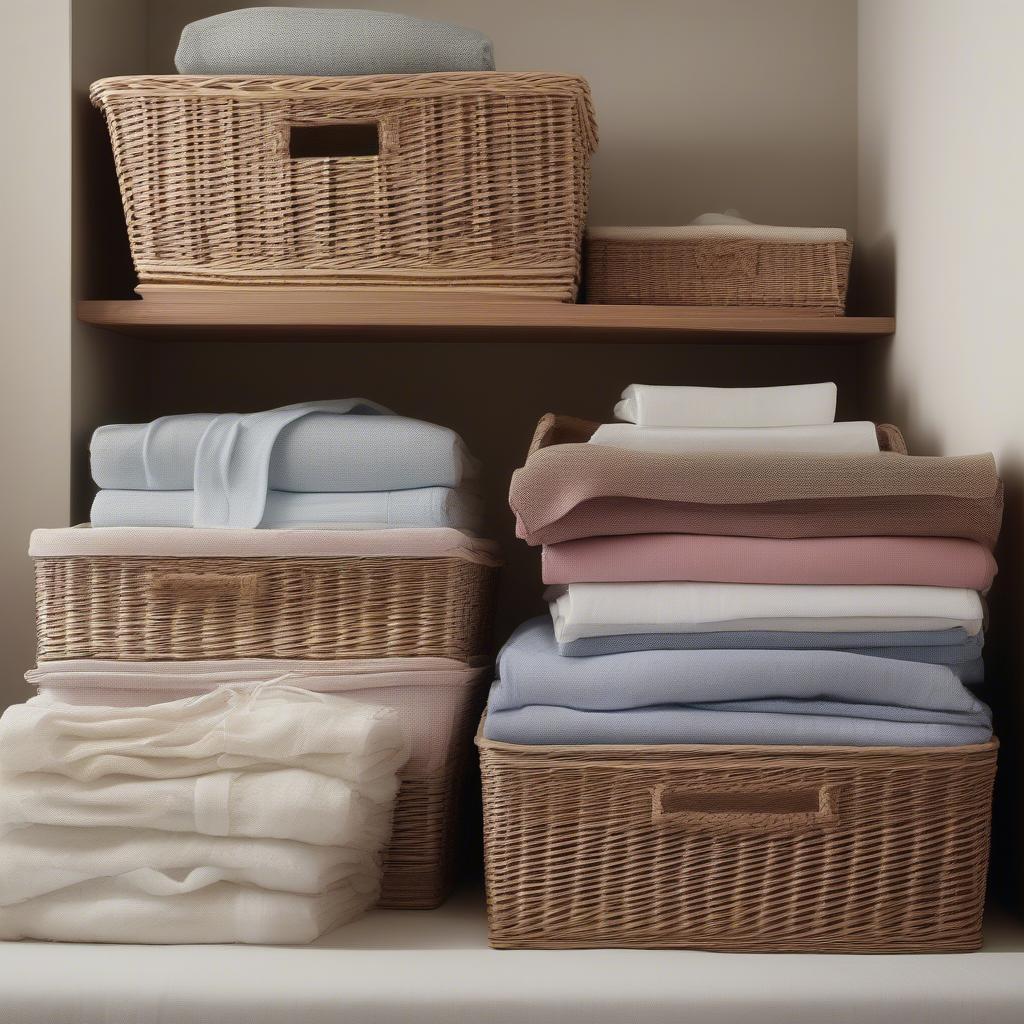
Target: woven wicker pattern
(737, 848)
(480, 182)
(147, 609)
(809, 276)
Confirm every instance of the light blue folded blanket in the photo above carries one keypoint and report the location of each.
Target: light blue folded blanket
(952, 647)
(368, 510)
(725, 696)
(317, 41)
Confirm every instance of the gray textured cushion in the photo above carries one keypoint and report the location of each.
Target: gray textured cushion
(315, 41)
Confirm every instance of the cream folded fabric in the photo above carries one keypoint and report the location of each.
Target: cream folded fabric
(113, 910)
(283, 803)
(733, 228)
(796, 405)
(828, 437)
(604, 609)
(40, 859)
(231, 728)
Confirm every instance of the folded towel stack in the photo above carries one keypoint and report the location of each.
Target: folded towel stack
(348, 464)
(732, 566)
(314, 41)
(249, 814)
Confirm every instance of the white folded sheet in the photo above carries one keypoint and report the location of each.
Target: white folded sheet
(708, 231)
(283, 803)
(610, 609)
(423, 507)
(796, 405)
(826, 438)
(232, 728)
(40, 859)
(113, 910)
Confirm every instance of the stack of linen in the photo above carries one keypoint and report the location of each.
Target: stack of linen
(348, 464)
(245, 815)
(732, 566)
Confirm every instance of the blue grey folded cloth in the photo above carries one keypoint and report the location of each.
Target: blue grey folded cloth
(725, 696)
(421, 508)
(952, 647)
(318, 41)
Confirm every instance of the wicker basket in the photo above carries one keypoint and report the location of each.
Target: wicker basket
(808, 849)
(797, 276)
(323, 607)
(479, 181)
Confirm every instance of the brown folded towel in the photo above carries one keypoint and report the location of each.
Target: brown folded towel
(569, 490)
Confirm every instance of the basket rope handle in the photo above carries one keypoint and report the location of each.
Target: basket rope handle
(731, 257)
(243, 586)
(784, 810)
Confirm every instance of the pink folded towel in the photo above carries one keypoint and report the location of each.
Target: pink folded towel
(913, 561)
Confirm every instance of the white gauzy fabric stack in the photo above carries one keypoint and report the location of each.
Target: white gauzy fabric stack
(344, 464)
(248, 814)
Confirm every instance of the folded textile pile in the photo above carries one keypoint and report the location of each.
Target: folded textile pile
(248, 814)
(732, 566)
(347, 464)
(315, 41)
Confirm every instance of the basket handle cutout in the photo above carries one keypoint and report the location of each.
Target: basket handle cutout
(334, 141)
(783, 810)
(206, 585)
(727, 259)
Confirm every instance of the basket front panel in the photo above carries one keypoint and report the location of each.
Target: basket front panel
(481, 185)
(145, 609)
(576, 857)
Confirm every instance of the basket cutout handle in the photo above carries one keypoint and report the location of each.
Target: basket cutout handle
(335, 141)
(739, 811)
(730, 258)
(206, 586)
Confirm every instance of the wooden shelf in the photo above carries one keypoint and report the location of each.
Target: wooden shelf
(192, 314)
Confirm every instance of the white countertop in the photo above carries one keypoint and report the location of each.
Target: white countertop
(435, 966)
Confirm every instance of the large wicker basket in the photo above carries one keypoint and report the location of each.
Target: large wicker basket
(474, 181)
(807, 849)
(91, 603)
(797, 276)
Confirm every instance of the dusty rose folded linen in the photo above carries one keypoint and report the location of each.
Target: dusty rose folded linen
(571, 490)
(907, 561)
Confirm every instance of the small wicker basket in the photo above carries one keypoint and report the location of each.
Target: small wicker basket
(188, 607)
(803, 849)
(477, 182)
(806, 277)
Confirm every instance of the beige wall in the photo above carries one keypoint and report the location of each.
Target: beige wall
(701, 104)
(35, 301)
(941, 207)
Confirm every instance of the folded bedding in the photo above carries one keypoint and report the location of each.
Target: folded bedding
(425, 507)
(315, 41)
(232, 728)
(961, 653)
(321, 451)
(827, 438)
(816, 724)
(116, 910)
(599, 609)
(912, 561)
(41, 859)
(709, 227)
(531, 671)
(657, 405)
(567, 490)
(285, 803)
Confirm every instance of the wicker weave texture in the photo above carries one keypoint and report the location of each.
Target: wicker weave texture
(480, 182)
(183, 609)
(810, 276)
(745, 848)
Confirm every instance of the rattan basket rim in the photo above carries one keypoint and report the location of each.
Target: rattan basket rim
(440, 83)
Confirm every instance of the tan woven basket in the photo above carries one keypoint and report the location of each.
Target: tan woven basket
(178, 609)
(808, 849)
(797, 276)
(479, 181)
